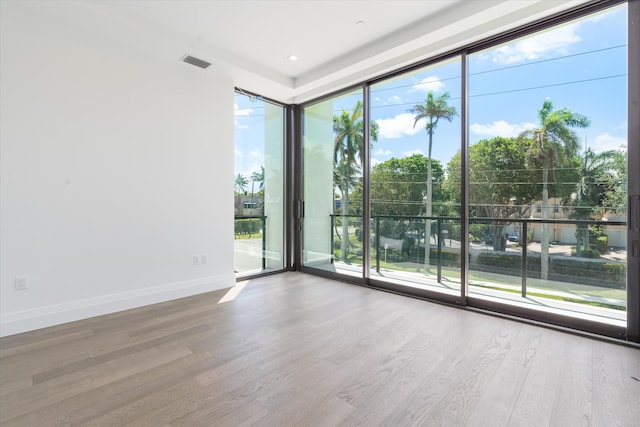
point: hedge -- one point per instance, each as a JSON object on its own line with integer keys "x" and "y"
{"x": 508, "y": 261}
{"x": 605, "y": 274}
{"x": 248, "y": 226}
{"x": 447, "y": 257}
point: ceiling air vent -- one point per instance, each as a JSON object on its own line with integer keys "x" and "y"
{"x": 195, "y": 61}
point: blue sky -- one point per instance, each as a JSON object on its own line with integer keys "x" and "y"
{"x": 580, "y": 66}
{"x": 249, "y": 135}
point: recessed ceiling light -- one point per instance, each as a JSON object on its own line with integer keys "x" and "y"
{"x": 292, "y": 58}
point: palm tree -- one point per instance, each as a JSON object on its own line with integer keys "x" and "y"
{"x": 259, "y": 178}
{"x": 553, "y": 141}
{"x": 348, "y": 129}
{"x": 240, "y": 184}
{"x": 615, "y": 198}
{"x": 434, "y": 109}
{"x": 343, "y": 182}
{"x": 597, "y": 176}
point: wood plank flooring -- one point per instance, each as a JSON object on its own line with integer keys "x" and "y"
{"x": 298, "y": 350}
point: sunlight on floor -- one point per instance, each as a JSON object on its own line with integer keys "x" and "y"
{"x": 233, "y": 292}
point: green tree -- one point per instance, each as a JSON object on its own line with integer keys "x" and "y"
{"x": 433, "y": 109}
{"x": 598, "y": 173}
{"x": 553, "y": 142}
{"x": 258, "y": 177}
{"x": 348, "y": 129}
{"x": 500, "y": 184}
{"x": 598, "y": 178}
{"x": 240, "y": 184}
{"x": 615, "y": 199}
{"x": 398, "y": 185}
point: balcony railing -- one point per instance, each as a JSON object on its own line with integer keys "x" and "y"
{"x": 413, "y": 230}
{"x": 253, "y": 225}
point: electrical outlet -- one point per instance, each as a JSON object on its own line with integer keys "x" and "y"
{"x": 20, "y": 283}
{"x": 196, "y": 260}
{"x": 204, "y": 258}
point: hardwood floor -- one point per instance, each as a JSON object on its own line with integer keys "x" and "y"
{"x": 294, "y": 349}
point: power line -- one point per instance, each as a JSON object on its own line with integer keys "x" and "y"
{"x": 373, "y": 92}
{"x": 572, "y": 82}
{"x": 549, "y": 60}
{"x": 376, "y": 91}
{"x": 480, "y": 171}
{"x": 551, "y": 85}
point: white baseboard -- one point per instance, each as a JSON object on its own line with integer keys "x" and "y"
{"x": 42, "y": 317}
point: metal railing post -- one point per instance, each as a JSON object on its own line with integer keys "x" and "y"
{"x": 439, "y": 253}
{"x": 377, "y": 244}
{"x": 332, "y": 224}
{"x": 420, "y": 227}
{"x": 523, "y": 242}
{"x": 264, "y": 242}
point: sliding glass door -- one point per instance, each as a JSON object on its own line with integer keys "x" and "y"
{"x": 547, "y": 169}
{"x": 496, "y": 177}
{"x": 258, "y": 185}
{"x": 415, "y": 178}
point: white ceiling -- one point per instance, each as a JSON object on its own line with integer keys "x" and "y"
{"x": 250, "y": 40}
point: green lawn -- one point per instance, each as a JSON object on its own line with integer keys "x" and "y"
{"x": 493, "y": 282}
{"x": 248, "y": 236}
{"x": 554, "y": 297}
{"x": 618, "y": 294}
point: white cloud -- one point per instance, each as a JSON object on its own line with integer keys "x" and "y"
{"x": 241, "y": 112}
{"x": 412, "y": 152}
{"x": 428, "y": 83}
{"x": 375, "y": 162}
{"x": 237, "y": 152}
{"x": 249, "y": 171}
{"x": 606, "y": 141}
{"x": 539, "y": 46}
{"x": 381, "y": 152}
{"x": 255, "y": 154}
{"x": 394, "y": 99}
{"x": 621, "y": 127}
{"x": 398, "y": 126}
{"x": 501, "y": 128}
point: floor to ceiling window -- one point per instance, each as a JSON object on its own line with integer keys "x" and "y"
{"x": 333, "y": 147}
{"x": 496, "y": 176}
{"x": 547, "y": 169}
{"x": 258, "y": 185}
{"x": 415, "y": 207}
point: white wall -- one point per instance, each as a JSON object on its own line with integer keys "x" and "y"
{"x": 116, "y": 169}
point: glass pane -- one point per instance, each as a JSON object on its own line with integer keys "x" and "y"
{"x": 415, "y": 203}
{"x": 333, "y": 148}
{"x": 258, "y": 185}
{"x": 547, "y": 175}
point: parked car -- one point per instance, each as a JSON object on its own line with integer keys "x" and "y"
{"x": 513, "y": 237}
